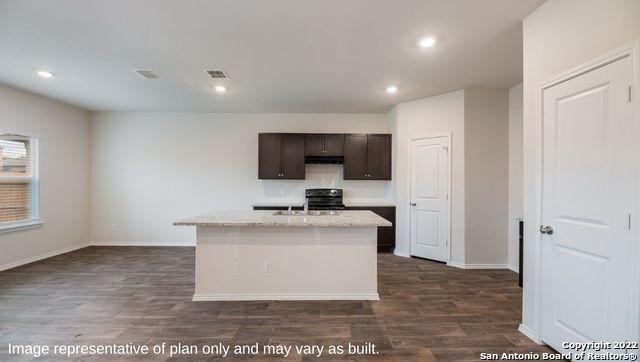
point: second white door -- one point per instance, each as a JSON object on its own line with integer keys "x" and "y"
{"x": 430, "y": 198}
{"x": 586, "y": 208}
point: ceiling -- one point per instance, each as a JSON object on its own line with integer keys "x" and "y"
{"x": 281, "y": 55}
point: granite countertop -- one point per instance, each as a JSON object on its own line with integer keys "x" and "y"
{"x": 347, "y": 203}
{"x": 267, "y": 218}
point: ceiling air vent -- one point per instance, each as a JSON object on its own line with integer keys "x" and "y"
{"x": 149, "y": 74}
{"x": 217, "y": 74}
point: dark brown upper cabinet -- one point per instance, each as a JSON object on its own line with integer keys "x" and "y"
{"x": 314, "y": 144}
{"x": 355, "y": 157}
{"x": 324, "y": 145}
{"x": 379, "y": 156}
{"x": 367, "y": 157}
{"x": 281, "y": 156}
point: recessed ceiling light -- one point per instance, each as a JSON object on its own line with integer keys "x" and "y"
{"x": 392, "y": 89}
{"x": 220, "y": 88}
{"x": 45, "y": 74}
{"x": 427, "y": 42}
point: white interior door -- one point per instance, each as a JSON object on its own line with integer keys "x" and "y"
{"x": 587, "y": 201}
{"x": 430, "y": 198}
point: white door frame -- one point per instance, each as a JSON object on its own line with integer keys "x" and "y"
{"x": 449, "y": 151}
{"x": 532, "y": 222}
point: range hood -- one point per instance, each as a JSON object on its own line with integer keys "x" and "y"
{"x": 324, "y": 160}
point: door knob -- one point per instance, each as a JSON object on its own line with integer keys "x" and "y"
{"x": 413, "y": 204}
{"x": 546, "y": 229}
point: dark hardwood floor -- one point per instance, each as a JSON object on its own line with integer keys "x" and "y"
{"x": 142, "y": 295}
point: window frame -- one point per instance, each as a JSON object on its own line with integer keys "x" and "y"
{"x": 33, "y": 176}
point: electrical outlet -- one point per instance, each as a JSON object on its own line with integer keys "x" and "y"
{"x": 267, "y": 266}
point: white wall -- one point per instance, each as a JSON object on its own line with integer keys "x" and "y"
{"x": 64, "y": 173}
{"x": 486, "y": 176}
{"x": 150, "y": 169}
{"x": 558, "y": 36}
{"x": 421, "y": 117}
{"x": 515, "y": 174}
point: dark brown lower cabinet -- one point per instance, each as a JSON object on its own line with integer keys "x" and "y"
{"x": 386, "y": 234}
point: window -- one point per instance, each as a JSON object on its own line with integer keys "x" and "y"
{"x": 19, "y": 181}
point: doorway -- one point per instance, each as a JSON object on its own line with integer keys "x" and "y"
{"x": 586, "y": 288}
{"x": 430, "y": 165}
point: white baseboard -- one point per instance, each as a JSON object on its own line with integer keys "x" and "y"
{"x": 43, "y": 256}
{"x": 529, "y": 333}
{"x": 401, "y": 253}
{"x": 248, "y": 297}
{"x": 129, "y": 243}
{"x": 513, "y": 268}
{"x": 456, "y": 264}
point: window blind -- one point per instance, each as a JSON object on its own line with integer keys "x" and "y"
{"x": 19, "y": 181}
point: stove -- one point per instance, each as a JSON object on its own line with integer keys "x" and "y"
{"x": 324, "y": 199}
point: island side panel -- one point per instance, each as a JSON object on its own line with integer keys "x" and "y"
{"x": 306, "y": 263}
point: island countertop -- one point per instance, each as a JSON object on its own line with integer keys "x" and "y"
{"x": 344, "y": 218}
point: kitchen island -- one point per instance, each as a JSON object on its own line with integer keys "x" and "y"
{"x": 267, "y": 255}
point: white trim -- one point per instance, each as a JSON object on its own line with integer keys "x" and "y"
{"x": 456, "y": 264}
{"x": 635, "y": 252}
{"x": 18, "y": 226}
{"x": 449, "y": 153}
{"x": 50, "y": 254}
{"x": 303, "y": 296}
{"x": 17, "y": 133}
{"x": 137, "y": 243}
{"x": 529, "y": 333}
{"x": 531, "y": 233}
{"x": 401, "y": 253}
{"x": 431, "y": 135}
{"x": 513, "y": 268}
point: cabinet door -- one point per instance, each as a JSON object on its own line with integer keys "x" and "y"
{"x": 314, "y": 145}
{"x": 269, "y": 156}
{"x": 386, "y": 234}
{"x": 379, "y": 156}
{"x": 334, "y": 145}
{"x": 355, "y": 157}
{"x": 293, "y": 156}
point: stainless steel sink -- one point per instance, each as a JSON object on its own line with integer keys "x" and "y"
{"x": 308, "y": 213}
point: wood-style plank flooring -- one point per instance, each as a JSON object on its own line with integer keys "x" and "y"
{"x": 142, "y": 295}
